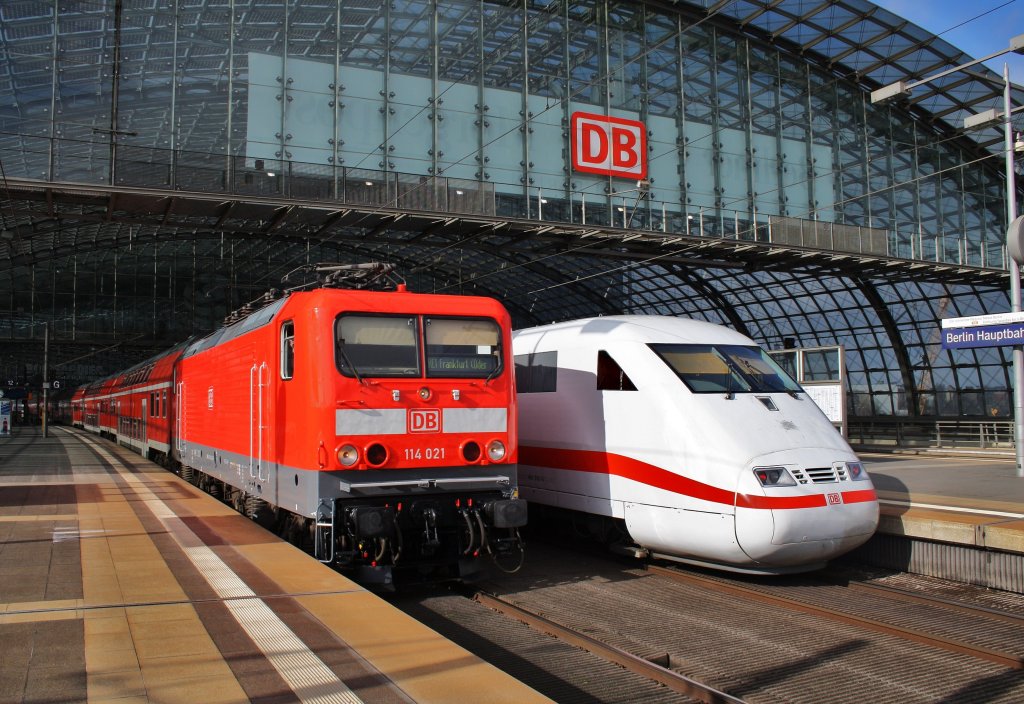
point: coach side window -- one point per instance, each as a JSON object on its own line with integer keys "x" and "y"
{"x": 288, "y": 350}
{"x": 610, "y": 376}
{"x": 537, "y": 372}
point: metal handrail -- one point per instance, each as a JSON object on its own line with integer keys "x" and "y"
{"x": 247, "y": 175}
{"x": 972, "y": 433}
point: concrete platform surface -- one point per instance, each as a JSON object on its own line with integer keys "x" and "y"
{"x": 975, "y": 500}
{"x": 119, "y": 582}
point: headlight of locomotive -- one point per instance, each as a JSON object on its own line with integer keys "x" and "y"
{"x": 774, "y": 476}
{"x": 856, "y": 472}
{"x": 348, "y": 455}
{"x": 495, "y": 450}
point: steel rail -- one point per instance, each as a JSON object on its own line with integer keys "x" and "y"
{"x": 1005, "y": 659}
{"x": 899, "y": 594}
{"x": 662, "y": 675}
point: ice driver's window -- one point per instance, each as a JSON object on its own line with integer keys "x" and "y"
{"x": 288, "y": 350}
{"x": 462, "y": 347}
{"x": 377, "y": 346}
{"x": 727, "y": 369}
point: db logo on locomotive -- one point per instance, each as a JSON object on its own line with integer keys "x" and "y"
{"x": 424, "y": 420}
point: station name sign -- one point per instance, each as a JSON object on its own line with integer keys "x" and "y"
{"x": 994, "y": 330}
{"x": 607, "y": 145}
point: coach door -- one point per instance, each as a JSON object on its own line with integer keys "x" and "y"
{"x": 179, "y": 419}
{"x": 259, "y": 422}
{"x": 143, "y": 421}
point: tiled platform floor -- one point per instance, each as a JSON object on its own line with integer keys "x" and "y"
{"x": 121, "y": 583}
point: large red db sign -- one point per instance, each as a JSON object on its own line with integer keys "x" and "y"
{"x": 609, "y": 145}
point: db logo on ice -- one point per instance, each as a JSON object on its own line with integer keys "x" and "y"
{"x": 834, "y": 499}
{"x": 424, "y": 420}
{"x": 609, "y": 145}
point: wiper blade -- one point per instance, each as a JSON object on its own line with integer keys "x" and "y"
{"x": 494, "y": 373}
{"x": 731, "y": 373}
{"x": 348, "y": 361}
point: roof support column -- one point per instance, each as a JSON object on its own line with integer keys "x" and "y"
{"x": 115, "y": 89}
{"x": 892, "y": 331}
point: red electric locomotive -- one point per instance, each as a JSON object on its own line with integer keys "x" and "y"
{"x": 380, "y": 424}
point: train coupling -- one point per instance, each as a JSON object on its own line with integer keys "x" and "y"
{"x": 506, "y": 513}
{"x": 371, "y": 521}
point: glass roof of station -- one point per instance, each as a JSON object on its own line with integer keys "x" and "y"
{"x": 857, "y": 39}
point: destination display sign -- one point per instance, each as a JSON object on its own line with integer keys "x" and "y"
{"x": 983, "y": 331}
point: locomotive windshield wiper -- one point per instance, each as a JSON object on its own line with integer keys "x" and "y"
{"x": 348, "y": 360}
{"x": 494, "y": 373}
{"x": 733, "y": 374}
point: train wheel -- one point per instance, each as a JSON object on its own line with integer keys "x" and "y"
{"x": 599, "y": 528}
{"x": 298, "y": 531}
{"x": 212, "y": 488}
{"x": 292, "y": 530}
{"x": 260, "y": 511}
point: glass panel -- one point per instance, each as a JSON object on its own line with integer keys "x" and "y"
{"x": 821, "y": 365}
{"x": 625, "y": 66}
{"x": 786, "y": 360}
{"x": 725, "y": 368}
{"x": 288, "y": 350}
{"x": 377, "y": 346}
{"x": 536, "y": 373}
{"x": 462, "y": 347}
{"x": 610, "y": 376}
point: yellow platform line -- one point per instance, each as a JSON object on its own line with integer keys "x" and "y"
{"x": 156, "y": 652}
{"x": 307, "y": 676}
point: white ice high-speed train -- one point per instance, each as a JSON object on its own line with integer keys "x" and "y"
{"x": 691, "y": 437}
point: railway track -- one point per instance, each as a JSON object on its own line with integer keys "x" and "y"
{"x": 641, "y": 666}
{"x": 830, "y": 637}
{"x": 1006, "y": 659}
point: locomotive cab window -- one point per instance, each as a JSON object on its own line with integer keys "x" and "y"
{"x": 377, "y": 346}
{"x": 725, "y": 369}
{"x": 288, "y": 350}
{"x": 462, "y": 347}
